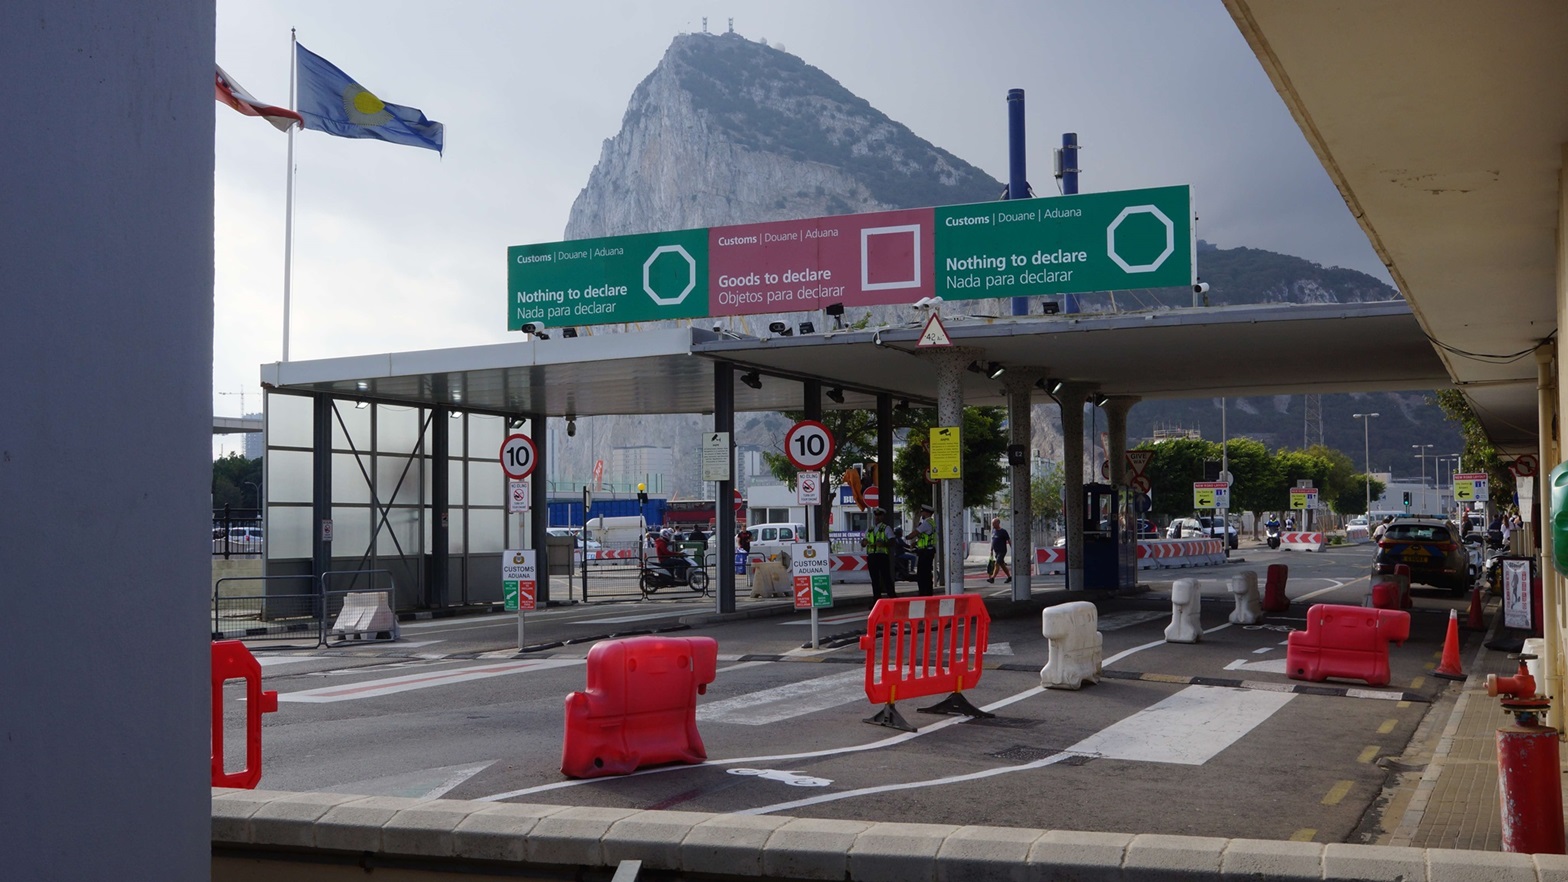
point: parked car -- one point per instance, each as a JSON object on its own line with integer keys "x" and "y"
{"x": 1183, "y": 528}
{"x": 1430, "y": 547}
{"x": 1217, "y": 528}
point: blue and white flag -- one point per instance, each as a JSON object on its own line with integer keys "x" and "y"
{"x": 331, "y": 102}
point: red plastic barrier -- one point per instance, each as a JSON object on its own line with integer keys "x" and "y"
{"x": 1345, "y": 641}
{"x": 640, "y": 706}
{"x": 924, "y": 646}
{"x": 1274, "y": 599}
{"x": 231, "y": 660}
{"x": 1402, "y": 576}
{"x": 1385, "y": 595}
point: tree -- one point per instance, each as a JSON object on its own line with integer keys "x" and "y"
{"x": 1479, "y": 454}
{"x": 1045, "y": 494}
{"x": 230, "y": 475}
{"x": 1352, "y": 498}
{"x": 1176, "y": 466}
{"x": 984, "y": 441}
{"x": 1256, "y": 474}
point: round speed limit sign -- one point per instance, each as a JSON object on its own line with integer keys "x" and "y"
{"x": 517, "y": 456}
{"x": 809, "y": 445}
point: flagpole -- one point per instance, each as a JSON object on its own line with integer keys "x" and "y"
{"x": 288, "y": 209}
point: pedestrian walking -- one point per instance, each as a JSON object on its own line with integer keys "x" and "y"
{"x": 1000, "y": 540}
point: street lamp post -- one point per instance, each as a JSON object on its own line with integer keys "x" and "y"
{"x": 1421, "y": 452}
{"x": 1366, "y": 443}
{"x": 257, "y": 488}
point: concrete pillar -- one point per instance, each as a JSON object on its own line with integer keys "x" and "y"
{"x": 1116, "y": 430}
{"x": 1070, "y": 400}
{"x": 951, "y": 364}
{"x": 1020, "y": 427}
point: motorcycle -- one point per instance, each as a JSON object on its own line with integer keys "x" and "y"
{"x": 1271, "y": 531}
{"x": 657, "y": 574}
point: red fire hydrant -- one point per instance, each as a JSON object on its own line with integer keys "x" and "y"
{"x": 1528, "y": 770}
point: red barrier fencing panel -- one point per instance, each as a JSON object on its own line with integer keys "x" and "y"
{"x": 925, "y": 646}
{"x": 1350, "y": 642}
{"x": 231, "y": 660}
{"x": 640, "y": 706}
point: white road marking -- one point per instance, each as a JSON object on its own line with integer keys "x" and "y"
{"x": 269, "y": 661}
{"x": 1262, "y": 650}
{"x": 407, "y": 682}
{"x": 784, "y": 702}
{"x": 740, "y": 666}
{"x": 421, "y": 784}
{"x": 1188, "y": 728}
{"x": 1267, "y": 666}
{"x": 1002, "y": 648}
{"x": 623, "y": 619}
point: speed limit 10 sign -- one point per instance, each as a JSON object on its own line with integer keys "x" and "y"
{"x": 809, "y": 445}
{"x": 517, "y": 456}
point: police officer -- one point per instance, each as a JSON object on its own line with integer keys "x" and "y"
{"x": 878, "y": 542}
{"x": 925, "y": 550}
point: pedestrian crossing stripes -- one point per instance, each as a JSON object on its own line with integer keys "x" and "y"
{"x": 423, "y": 680}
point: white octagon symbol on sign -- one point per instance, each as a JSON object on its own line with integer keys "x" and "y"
{"x": 691, "y": 275}
{"x": 1170, "y": 239}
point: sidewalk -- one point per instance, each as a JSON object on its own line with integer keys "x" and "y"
{"x": 1447, "y": 796}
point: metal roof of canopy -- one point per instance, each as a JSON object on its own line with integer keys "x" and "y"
{"x": 1442, "y": 122}
{"x": 1178, "y": 353}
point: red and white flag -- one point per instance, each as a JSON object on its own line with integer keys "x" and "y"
{"x": 234, "y": 95}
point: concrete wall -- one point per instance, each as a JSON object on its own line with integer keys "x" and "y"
{"x": 106, "y": 250}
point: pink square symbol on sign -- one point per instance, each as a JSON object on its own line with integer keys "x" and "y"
{"x": 890, "y": 257}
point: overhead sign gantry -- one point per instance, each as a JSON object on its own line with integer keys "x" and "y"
{"x": 1067, "y": 244}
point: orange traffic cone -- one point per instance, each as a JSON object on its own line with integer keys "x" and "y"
{"x": 1448, "y": 668}
{"x": 1475, "y": 622}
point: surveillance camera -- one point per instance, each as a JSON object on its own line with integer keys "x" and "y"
{"x": 718, "y": 327}
{"x": 1201, "y": 288}
{"x": 530, "y": 328}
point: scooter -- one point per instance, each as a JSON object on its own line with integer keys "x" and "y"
{"x": 655, "y": 575}
{"x": 1271, "y": 531}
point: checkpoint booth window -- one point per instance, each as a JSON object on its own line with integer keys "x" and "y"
{"x": 383, "y": 505}
{"x": 1109, "y": 547}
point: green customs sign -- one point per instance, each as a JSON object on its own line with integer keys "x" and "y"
{"x": 648, "y": 277}
{"x": 1068, "y": 244}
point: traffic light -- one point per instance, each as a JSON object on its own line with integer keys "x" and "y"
{"x": 1407, "y": 499}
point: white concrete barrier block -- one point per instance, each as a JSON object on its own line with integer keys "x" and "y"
{"x": 1073, "y": 645}
{"x": 365, "y": 612}
{"x": 1186, "y": 606}
{"x": 1249, "y": 606}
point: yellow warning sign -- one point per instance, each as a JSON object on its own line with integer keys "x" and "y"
{"x": 947, "y": 455}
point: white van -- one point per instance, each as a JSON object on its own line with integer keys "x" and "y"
{"x": 618, "y": 533}
{"x": 775, "y": 534}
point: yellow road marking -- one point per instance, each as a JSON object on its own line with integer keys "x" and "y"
{"x": 1305, "y": 834}
{"x": 1387, "y": 727}
{"x": 1368, "y": 754}
{"x": 1338, "y": 792}
{"x": 1416, "y": 683}
{"x": 1164, "y": 678}
{"x": 1401, "y": 704}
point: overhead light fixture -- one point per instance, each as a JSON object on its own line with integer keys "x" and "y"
{"x": 903, "y": 404}
{"x": 515, "y": 423}
{"x": 834, "y": 309}
{"x": 975, "y": 367}
{"x": 1099, "y": 399}
{"x": 995, "y": 369}
{"x": 780, "y": 329}
{"x": 568, "y": 333}
{"x": 1050, "y": 385}
{"x": 836, "y": 394}
{"x": 752, "y": 379}
{"x": 361, "y": 405}
{"x": 362, "y": 385}
{"x": 1050, "y": 307}
{"x": 571, "y": 426}
{"x": 456, "y": 414}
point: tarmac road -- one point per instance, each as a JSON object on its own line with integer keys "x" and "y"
{"x": 1196, "y": 739}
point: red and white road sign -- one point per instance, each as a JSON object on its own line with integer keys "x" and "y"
{"x": 808, "y": 489}
{"x": 740, "y": 503}
{"x": 809, "y": 445}
{"x": 517, "y": 456}
{"x": 517, "y": 497}
{"x": 871, "y": 495}
{"x": 1138, "y": 459}
{"x": 1141, "y": 483}
{"x": 1526, "y": 465}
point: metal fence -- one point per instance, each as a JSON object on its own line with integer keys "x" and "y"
{"x": 311, "y": 616}
{"x": 237, "y": 532}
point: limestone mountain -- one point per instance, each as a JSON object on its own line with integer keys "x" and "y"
{"x": 728, "y": 131}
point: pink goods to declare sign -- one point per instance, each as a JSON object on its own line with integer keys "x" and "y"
{"x": 796, "y": 266}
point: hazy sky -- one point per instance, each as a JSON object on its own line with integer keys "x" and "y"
{"x": 397, "y": 248}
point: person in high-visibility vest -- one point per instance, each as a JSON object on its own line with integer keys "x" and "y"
{"x": 878, "y": 543}
{"x": 925, "y": 550}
